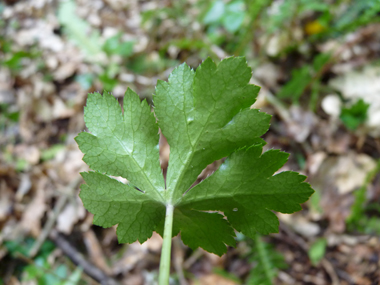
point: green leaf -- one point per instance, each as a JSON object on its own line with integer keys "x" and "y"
{"x": 14, "y": 63}
{"x": 109, "y": 82}
{"x": 234, "y": 16}
{"x": 267, "y": 263}
{"x": 77, "y": 30}
{"x": 230, "y": 15}
{"x": 205, "y": 116}
{"x": 74, "y": 278}
{"x": 113, "y": 202}
{"x": 295, "y": 87}
{"x": 317, "y": 251}
{"x": 355, "y": 115}
{"x": 245, "y": 190}
{"x": 208, "y": 229}
{"x": 114, "y": 45}
{"x": 215, "y": 12}
{"x": 320, "y": 61}
{"x": 123, "y": 145}
{"x": 85, "y": 80}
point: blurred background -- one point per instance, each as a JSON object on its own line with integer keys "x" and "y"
{"x": 318, "y": 62}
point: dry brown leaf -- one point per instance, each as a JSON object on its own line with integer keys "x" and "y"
{"x": 65, "y": 70}
{"x": 5, "y": 201}
{"x": 314, "y": 161}
{"x": 60, "y": 110}
{"x": 154, "y": 243}
{"x": 24, "y": 186}
{"x": 31, "y": 218}
{"x": 70, "y": 215}
{"x": 95, "y": 251}
{"x": 131, "y": 257}
{"x": 30, "y": 153}
{"x": 212, "y": 279}
{"x": 303, "y": 121}
{"x": 346, "y": 173}
{"x": 300, "y": 224}
{"x": 7, "y": 95}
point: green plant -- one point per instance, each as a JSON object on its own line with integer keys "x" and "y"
{"x": 39, "y": 270}
{"x": 317, "y": 251}
{"x": 355, "y": 115}
{"x": 115, "y": 45}
{"x": 357, "y": 14}
{"x": 304, "y": 77}
{"x": 266, "y": 261}
{"x": 7, "y": 114}
{"x": 92, "y": 46}
{"x": 358, "y": 219}
{"x": 230, "y": 15}
{"x": 76, "y": 29}
{"x": 205, "y": 116}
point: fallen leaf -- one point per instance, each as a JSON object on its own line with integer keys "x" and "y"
{"x": 212, "y": 279}
{"x": 95, "y": 251}
{"x": 70, "y": 215}
{"x": 31, "y": 218}
{"x": 303, "y": 121}
{"x": 5, "y": 201}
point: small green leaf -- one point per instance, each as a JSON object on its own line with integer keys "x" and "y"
{"x": 109, "y": 82}
{"x": 296, "y": 85}
{"x": 114, "y": 45}
{"x": 355, "y": 115}
{"x": 234, "y": 16}
{"x": 77, "y": 30}
{"x": 317, "y": 251}
{"x": 85, "y": 80}
{"x": 215, "y": 12}
{"x": 267, "y": 262}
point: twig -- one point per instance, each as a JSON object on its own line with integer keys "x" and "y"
{"x": 95, "y": 252}
{"x": 77, "y": 258}
{"x": 326, "y": 264}
{"x": 53, "y": 217}
{"x": 178, "y": 260}
{"x": 345, "y": 276}
{"x": 193, "y": 258}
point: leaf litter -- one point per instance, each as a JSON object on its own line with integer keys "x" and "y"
{"x": 50, "y": 112}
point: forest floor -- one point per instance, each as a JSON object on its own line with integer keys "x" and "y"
{"x": 322, "y": 88}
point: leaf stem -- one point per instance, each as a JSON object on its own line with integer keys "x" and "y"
{"x": 166, "y": 247}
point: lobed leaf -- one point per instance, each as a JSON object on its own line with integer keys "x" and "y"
{"x": 245, "y": 190}
{"x": 205, "y": 115}
{"x": 113, "y": 202}
{"x": 123, "y": 144}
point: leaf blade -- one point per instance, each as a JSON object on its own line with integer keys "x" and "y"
{"x": 113, "y": 202}
{"x": 244, "y": 187}
{"x": 218, "y": 97}
{"x": 123, "y": 144}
